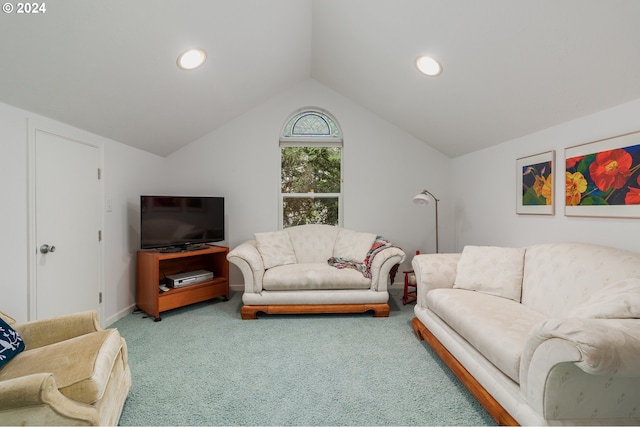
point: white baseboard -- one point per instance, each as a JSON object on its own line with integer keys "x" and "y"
{"x": 236, "y": 287}
{"x": 395, "y": 289}
{"x": 119, "y": 315}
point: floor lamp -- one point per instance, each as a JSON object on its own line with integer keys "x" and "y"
{"x": 422, "y": 199}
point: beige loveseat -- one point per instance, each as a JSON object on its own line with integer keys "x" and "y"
{"x": 543, "y": 335}
{"x": 71, "y": 372}
{"x": 315, "y": 269}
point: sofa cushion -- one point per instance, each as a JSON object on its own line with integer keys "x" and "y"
{"x": 81, "y": 365}
{"x": 10, "y": 343}
{"x": 491, "y": 270}
{"x": 275, "y": 248}
{"x": 313, "y": 242}
{"x": 496, "y": 327}
{"x": 353, "y": 245}
{"x": 619, "y": 300}
{"x": 312, "y": 276}
{"x": 559, "y": 276}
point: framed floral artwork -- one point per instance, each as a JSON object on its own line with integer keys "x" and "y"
{"x": 603, "y": 178}
{"x": 534, "y": 188}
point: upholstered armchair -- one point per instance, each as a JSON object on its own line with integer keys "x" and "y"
{"x": 62, "y": 371}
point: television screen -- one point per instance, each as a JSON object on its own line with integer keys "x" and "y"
{"x": 167, "y": 221}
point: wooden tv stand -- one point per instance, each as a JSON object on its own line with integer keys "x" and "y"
{"x": 153, "y": 266}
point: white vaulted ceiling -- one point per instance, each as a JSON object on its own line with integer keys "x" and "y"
{"x": 510, "y": 67}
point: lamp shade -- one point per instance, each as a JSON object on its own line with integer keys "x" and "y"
{"x": 421, "y": 199}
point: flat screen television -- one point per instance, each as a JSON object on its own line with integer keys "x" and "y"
{"x": 180, "y": 222}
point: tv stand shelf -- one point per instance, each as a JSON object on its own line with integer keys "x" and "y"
{"x": 154, "y": 266}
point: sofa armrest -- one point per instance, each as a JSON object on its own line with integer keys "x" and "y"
{"x": 564, "y": 360}
{"x": 39, "y": 333}
{"x": 382, "y": 264}
{"x": 434, "y": 271}
{"x": 603, "y": 346}
{"x": 35, "y": 400}
{"x": 249, "y": 261}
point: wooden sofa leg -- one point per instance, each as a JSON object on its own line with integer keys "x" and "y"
{"x": 499, "y": 414}
{"x": 379, "y": 310}
{"x": 417, "y": 326}
{"x": 250, "y": 312}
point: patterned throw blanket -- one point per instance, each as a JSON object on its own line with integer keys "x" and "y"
{"x": 363, "y": 267}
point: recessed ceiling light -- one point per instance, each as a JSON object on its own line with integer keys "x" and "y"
{"x": 429, "y": 66}
{"x": 191, "y": 59}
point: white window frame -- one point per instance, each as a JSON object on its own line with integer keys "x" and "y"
{"x": 311, "y": 141}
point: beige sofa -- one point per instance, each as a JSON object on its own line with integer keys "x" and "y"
{"x": 543, "y": 335}
{"x": 315, "y": 269}
{"x": 71, "y": 372}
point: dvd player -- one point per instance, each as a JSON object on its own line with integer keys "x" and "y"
{"x": 189, "y": 278}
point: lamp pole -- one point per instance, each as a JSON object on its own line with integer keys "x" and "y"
{"x": 427, "y": 192}
{"x": 436, "y": 199}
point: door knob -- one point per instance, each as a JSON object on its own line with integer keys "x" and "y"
{"x": 45, "y": 249}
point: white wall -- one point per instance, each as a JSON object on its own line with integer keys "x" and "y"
{"x": 127, "y": 173}
{"x": 384, "y": 167}
{"x": 484, "y": 189}
{"x": 13, "y": 212}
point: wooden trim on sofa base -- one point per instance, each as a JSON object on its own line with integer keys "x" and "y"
{"x": 250, "y": 311}
{"x": 494, "y": 409}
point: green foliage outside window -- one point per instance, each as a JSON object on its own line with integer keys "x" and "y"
{"x": 300, "y": 211}
{"x": 308, "y": 170}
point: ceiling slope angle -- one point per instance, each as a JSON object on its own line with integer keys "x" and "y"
{"x": 109, "y": 67}
{"x": 509, "y": 68}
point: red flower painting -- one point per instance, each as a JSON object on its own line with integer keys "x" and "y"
{"x": 610, "y": 177}
{"x": 573, "y": 161}
{"x": 611, "y": 169}
{"x": 633, "y": 195}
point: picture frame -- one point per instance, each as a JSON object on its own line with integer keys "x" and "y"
{"x": 603, "y": 178}
{"x": 534, "y": 184}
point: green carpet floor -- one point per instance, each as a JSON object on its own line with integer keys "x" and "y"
{"x": 203, "y": 365}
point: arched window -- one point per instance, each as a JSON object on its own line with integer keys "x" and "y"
{"x": 311, "y": 169}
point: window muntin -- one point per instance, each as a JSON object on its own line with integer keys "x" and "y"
{"x": 311, "y": 123}
{"x": 311, "y": 170}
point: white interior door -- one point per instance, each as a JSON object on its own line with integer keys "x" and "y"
{"x": 67, "y": 224}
